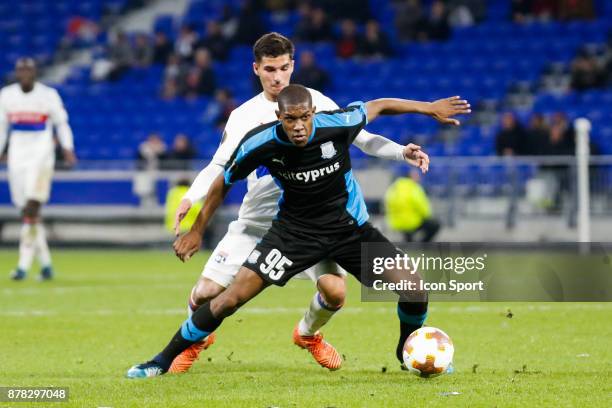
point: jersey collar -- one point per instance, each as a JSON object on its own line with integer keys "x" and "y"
{"x": 314, "y": 128}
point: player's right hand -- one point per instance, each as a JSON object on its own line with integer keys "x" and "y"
{"x": 187, "y": 244}
{"x": 443, "y": 110}
{"x": 70, "y": 157}
{"x": 181, "y": 212}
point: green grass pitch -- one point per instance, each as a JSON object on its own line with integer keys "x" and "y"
{"x": 108, "y": 310}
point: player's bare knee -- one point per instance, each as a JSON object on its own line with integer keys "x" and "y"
{"x": 332, "y": 289}
{"x": 31, "y": 210}
{"x": 205, "y": 290}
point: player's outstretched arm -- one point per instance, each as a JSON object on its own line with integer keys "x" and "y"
{"x": 442, "y": 110}
{"x": 188, "y": 244}
{"x": 383, "y": 148}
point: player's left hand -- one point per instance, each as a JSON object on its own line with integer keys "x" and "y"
{"x": 444, "y": 109}
{"x": 181, "y": 212}
{"x": 187, "y": 244}
{"x": 416, "y": 157}
{"x": 69, "y": 157}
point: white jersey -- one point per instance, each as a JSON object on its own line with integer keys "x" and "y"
{"x": 260, "y": 203}
{"x": 30, "y": 116}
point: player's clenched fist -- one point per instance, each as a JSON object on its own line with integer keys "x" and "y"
{"x": 186, "y": 245}
{"x": 416, "y": 157}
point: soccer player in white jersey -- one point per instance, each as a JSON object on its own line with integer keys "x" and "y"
{"x": 28, "y": 112}
{"x": 273, "y": 54}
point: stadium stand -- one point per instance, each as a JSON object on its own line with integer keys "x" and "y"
{"x": 36, "y": 28}
{"x": 483, "y": 62}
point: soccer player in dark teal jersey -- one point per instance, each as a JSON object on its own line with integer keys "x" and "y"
{"x": 322, "y": 213}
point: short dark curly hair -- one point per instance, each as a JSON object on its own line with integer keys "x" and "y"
{"x": 272, "y": 45}
{"x": 292, "y": 95}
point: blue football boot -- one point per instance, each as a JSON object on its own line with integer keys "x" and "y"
{"x": 46, "y": 273}
{"x": 145, "y": 370}
{"x": 18, "y": 274}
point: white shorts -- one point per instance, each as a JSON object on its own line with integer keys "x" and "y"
{"x": 30, "y": 181}
{"x": 235, "y": 247}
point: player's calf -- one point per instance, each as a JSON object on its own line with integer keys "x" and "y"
{"x": 333, "y": 290}
{"x": 33, "y": 241}
{"x": 324, "y": 304}
{"x": 246, "y": 286}
{"x": 226, "y": 304}
{"x": 318, "y": 314}
{"x": 203, "y": 291}
{"x": 27, "y": 242}
{"x": 204, "y": 321}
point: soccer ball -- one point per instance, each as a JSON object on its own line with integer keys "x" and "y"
{"x": 428, "y": 352}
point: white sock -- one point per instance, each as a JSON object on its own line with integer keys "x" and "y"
{"x": 27, "y": 246}
{"x": 42, "y": 248}
{"x": 316, "y": 316}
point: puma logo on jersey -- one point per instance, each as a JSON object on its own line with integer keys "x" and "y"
{"x": 310, "y": 175}
{"x": 281, "y": 161}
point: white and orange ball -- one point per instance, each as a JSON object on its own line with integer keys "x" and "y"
{"x": 428, "y": 352}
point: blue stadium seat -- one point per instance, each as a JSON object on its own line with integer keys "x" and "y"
{"x": 127, "y": 110}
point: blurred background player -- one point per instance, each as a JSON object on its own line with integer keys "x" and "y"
{"x": 408, "y": 210}
{"x": 29, "y": 110}
{"x": 273, "y": 54}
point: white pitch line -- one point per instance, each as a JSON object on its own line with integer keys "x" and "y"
{"x": 496, "y": 308}
{"x": 68, "y": 289}
{"x": 162, "y": 312}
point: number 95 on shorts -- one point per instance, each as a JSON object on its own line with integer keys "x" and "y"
{"x": 278, "y": 264}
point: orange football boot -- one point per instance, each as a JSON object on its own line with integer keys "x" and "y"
{"x": 183, "y": 362}
{"x": 324, "y": 353}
